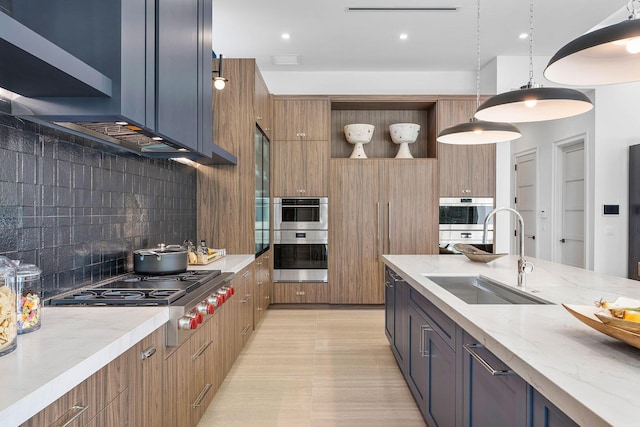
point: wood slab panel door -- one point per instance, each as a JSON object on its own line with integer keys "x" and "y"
{"x": 410, "y": 206}
{"x": 355, "y": 215}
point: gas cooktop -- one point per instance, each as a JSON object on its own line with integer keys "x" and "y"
{"x": 135, "y": 289}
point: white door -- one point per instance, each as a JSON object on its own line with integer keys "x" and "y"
{"x": 526, "y": 200}
{"x": 572, "y": 222}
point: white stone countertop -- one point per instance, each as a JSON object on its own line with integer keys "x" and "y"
{"x": 72, "y": 344}
{"x": 591, "y": 377}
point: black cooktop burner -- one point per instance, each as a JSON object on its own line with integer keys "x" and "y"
{"x": 134, "y": 289}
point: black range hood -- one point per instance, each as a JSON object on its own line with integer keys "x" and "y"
{"x": 139, "y": 79}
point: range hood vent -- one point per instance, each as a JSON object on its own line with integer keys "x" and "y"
{"x": 123, "y": 134}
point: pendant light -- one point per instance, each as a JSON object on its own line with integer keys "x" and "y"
{"x": 476, "y": 131}
{"x": 534, "y": 103}
{"x": 604, "y": 56}
{"x": 219, "y": 82}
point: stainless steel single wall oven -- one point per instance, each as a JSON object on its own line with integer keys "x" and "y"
{"x": 462, "y": 219}
{"x": 300, "y": 239}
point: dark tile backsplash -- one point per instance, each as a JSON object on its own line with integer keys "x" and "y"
{"x": 78, "y": 209}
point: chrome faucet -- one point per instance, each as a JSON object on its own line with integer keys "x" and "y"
{"x": 523, "y": 265}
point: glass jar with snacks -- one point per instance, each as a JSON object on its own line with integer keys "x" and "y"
{"x": 8, "y": 302}
{"x": 29, "y": 289}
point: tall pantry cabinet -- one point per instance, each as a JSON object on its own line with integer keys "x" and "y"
{"x": 379, "y": 205}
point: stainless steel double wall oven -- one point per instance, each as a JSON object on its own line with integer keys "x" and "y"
{"x": 300, "y": 239}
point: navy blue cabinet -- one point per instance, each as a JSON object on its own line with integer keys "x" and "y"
{"x": 431, "y": 372}
{"x": 396, "y": 316}
{"x": 543, "y": 413}
{"x": 152, "y": 66}
{"x": 493, "y": 395}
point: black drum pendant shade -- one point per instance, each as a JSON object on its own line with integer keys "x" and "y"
{"x": 605, "y": 56}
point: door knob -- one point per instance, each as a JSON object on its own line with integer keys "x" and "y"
{"x": 531, "y": 237}
{"x": 562, "y": 241}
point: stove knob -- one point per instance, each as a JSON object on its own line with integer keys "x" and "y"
{"x": 233, "y": 290}
{"x": 203, "y": 307}
{"x": 213, "y": 300}
{"x": 229, "y": 292}
{"x": 221, "y": 295}
{"x": 199, "y": 318}
{"x": 187, "y": 322}
{"x": 211, "y": 308}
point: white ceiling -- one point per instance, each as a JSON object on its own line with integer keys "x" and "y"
{"x": 328, "y": 38}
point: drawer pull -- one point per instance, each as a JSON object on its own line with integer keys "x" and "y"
{"x": 201, "y": 350}
{"x": 246, "y": 299}
{"x": 147, "y": 352}
{"x": 424, "y": 352}
{"x": 470, "y": 348}
{"x": 200, "y": 398}
{"x": 70, "y": 416}
{"x": 245, "y": 274}
{"x": 246, "y": 329}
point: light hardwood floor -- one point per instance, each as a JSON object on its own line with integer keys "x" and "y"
{"x": 315, "y": 368}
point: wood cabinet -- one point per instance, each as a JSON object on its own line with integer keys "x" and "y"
{"x": 301, "y": 118}
{"x": 465, "y": 170}
{"x": 262, "y": 105}
{"x": 226, "y": 195}
{"x": 263, "y": 287}
{"x": 377, "y": 206}
{"x": 244, "y": 284}
{"x": 92, "y": 401}
{"x": 299, "y": 168}
{"x": 300, "y": 150}
{"x": 146, "y": 380}
{"x": 188, "y": 390}
{"x": 301, "y": 293}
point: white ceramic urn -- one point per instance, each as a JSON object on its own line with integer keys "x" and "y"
{"x": 358, "y": 134}
{"x": 404, "y": 134}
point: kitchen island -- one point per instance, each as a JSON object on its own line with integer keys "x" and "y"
{"x": 592, "y": 378}
{"x": 73, "y": 344}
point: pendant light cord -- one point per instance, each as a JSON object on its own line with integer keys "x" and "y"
{"x": 478, "y": 54}
{"x": 633, "y": 6}
{"x": 531, "y": 44}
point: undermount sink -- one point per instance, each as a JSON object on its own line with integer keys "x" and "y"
{"x": 481, "y": 290}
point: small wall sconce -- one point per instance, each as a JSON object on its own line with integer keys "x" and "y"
{"x": 219, "y": 82}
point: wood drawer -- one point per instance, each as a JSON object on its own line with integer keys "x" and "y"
{"x": 300, "y": 293}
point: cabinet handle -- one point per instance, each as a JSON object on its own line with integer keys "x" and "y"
{"x": 201, "y": 350}
{"x": 424, "y": 352}
{"x": 245, "y": 274}
{"x": 245, "y": 299}
{"x": 259, "y": 308}
{"x": 267, "y": 297}
{"x": 301, "y": 134}
{"x": 267, "y": 129}
{"x": 466, "y": 191}
{"x": 495, "y": 372}
{"x": 378, "y": 226}
{"x": 147, "y": 352}
{"x": 389, "y": 226}
{"x": 259, "y": 118}
{"x": 301, "y": 293}
{"x": 246, "y": 329}
{"x": 201, "y": 396}
{"x": 70, "y": 416}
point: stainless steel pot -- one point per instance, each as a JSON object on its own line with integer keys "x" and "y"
{"x": 165, "y": 259}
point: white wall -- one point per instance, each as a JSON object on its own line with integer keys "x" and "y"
{"x": 617, "y": 128}
{"x": 370, "y": 83}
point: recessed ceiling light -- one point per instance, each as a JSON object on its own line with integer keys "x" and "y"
{"x": 286, "y": 36}
{"x": 523, "y": 36}
{"x": 404, "y": 36}
{"x": 156, "y": 138}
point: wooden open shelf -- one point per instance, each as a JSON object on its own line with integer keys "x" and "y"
{"x": 381, "y": 112}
